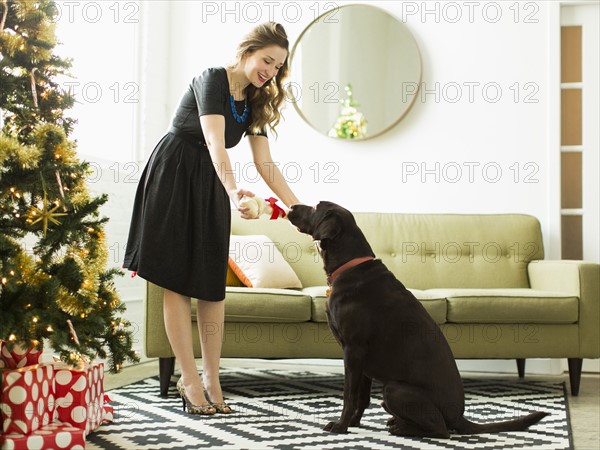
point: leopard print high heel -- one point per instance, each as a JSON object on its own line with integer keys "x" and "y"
{"x": 205, "y": 409}
{"x": 221, "y": 408}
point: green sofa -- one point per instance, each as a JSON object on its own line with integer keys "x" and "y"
{"x": 483, "y": 278}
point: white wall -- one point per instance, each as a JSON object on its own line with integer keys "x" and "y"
{"x": 118, "y": 181}
{"x": 439, "y": 134}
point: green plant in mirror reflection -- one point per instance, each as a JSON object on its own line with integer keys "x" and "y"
{"x": 351, "y": 123}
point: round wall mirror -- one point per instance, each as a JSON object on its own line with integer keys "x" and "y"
{"x": 355, "y": 72}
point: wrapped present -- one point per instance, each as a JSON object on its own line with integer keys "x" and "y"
{"x": 108, "y": 412}
{"x": 20, "y": 355}
{"x": 27, "y": 398}
{"x": 54, "y": 436}
{"x": 80, "y": 396}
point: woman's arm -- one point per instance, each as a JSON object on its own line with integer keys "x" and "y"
{"x": 213, "y": 128}
{"x": 269, "y": 172}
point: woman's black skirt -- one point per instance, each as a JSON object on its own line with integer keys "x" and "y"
{"x": 179, "y": 233}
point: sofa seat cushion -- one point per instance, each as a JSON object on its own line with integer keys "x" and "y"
{"x": 318, "y": 297}
{"x": 244, "y": 304}
{"x": 433, "y": 303}
{"x": 509, "y": 306}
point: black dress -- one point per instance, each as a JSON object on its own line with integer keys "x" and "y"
{"x": 181, "y": 221}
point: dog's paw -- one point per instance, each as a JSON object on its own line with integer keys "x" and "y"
{"x": 356, "y": 418}
{"x": 354, "y": 422}
{"x": 392, "y": 421}
{"x": 335, "y": 427}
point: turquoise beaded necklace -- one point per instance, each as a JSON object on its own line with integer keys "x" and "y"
{"x": 236, "y": 116}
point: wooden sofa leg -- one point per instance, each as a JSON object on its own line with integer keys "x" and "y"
{"x": 521, "y": 367}
{"x": 575, "y": 374}
{"x": 166, "y": 368}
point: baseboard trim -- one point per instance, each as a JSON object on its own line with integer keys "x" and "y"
{"x": 532, "y": 366}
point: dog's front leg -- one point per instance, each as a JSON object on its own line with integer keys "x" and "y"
{"x": 353, "y": 378}
{"x": 364, "y": 398}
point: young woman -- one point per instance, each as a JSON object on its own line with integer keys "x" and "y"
{"x": 179, "y": 234}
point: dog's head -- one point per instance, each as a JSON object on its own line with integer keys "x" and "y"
{"x": 324, "y": 221}
{"x": 340, "y": 238}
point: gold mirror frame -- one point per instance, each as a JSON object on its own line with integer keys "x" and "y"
{"x": 355, "y": 72}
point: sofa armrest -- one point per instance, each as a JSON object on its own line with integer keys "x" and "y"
{"x": 156, "y": 343}
{"x": 578, "y": 278}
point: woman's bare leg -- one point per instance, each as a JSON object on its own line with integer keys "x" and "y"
{"x": 211, "y": 317}
{"x": 177, "y": 312}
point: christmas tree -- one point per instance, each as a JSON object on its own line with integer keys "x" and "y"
{"x": 351, "y": 123}
{"x": 55, "y": 288}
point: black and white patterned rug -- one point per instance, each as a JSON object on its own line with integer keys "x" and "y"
{"x": 281, "y": 409}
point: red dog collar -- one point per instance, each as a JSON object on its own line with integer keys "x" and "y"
{"x": 349, "y": 265}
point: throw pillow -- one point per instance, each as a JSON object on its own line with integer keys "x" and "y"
{"x": 232, "y": 278}
{"x": 257, "y": 262}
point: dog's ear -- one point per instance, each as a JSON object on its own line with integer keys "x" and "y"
{"x": 328, "y": 227}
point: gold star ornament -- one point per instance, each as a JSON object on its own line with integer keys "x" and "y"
{"x": 44, "y": 214}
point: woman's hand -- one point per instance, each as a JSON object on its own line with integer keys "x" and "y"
{"x": 236, "y": 195}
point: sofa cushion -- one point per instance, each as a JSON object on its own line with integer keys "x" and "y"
{"x": 429, "y": 251}
{"x": 434, "y": 304}
{"x": 244, "y": 304}
{"x": 297, "y": 248}
{"x": 232, "y": 278}
{"x": 258, "y": 263}
{"x": 318, "y": 296}
{"x": 509, "y": 306}
{"x": 425, "y": 251}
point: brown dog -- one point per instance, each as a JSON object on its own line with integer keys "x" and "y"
{"x": 387, "y": 335}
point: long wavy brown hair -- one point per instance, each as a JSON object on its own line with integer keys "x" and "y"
{"x": 266, "y": 101}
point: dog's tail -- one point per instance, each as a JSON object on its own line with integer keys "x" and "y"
{"x": 464, "y": 426}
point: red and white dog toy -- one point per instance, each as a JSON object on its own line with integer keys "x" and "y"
{"x": 257, "y": 206}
